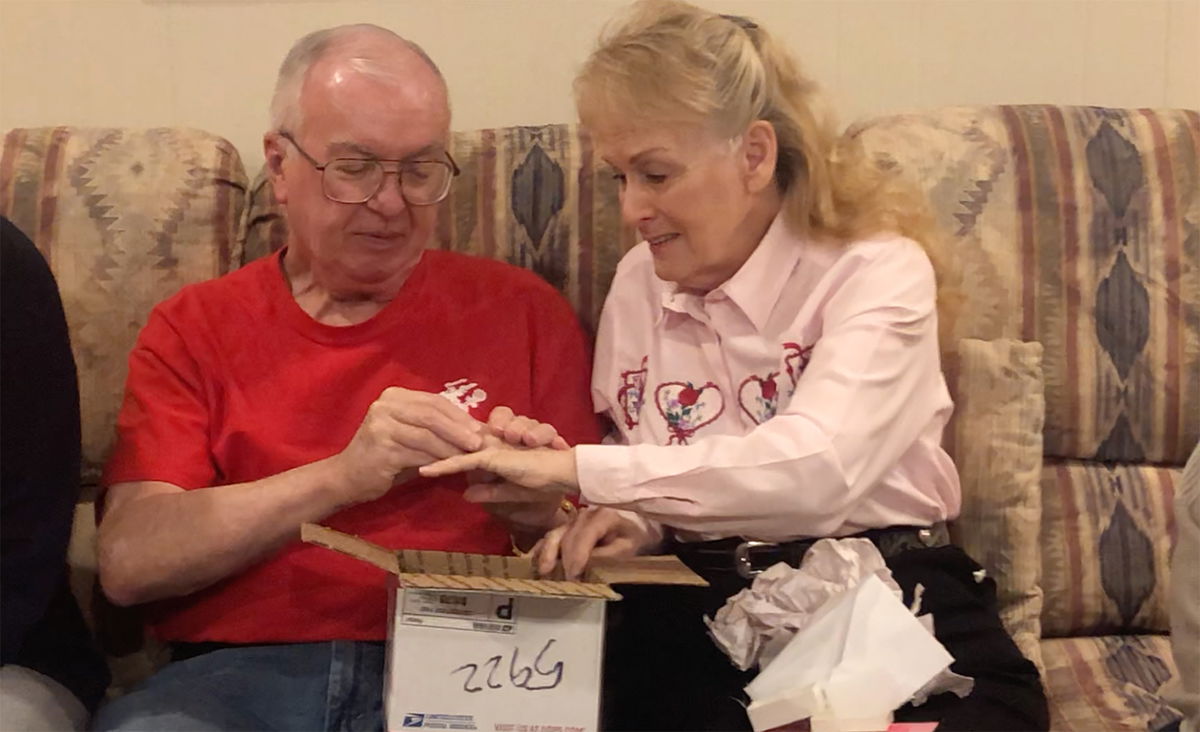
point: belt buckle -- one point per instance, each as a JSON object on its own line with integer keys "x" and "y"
{"x": 741, "y": 557}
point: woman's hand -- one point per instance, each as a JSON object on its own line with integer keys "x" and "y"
{"x": 593, "y": 532}
{"x": 541, "y": 469}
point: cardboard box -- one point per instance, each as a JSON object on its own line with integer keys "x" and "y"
{"x": 478, "y": 642}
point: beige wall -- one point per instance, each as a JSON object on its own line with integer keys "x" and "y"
{"x": 211, "y": 63}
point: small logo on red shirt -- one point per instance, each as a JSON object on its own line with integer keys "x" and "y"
{"x": 464, "y": 394}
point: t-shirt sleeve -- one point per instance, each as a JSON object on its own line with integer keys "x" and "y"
{"x": 562, "y": 371}
{"x": 163, "y": 426}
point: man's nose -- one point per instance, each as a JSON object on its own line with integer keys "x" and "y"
{"x": 389, "y": 199}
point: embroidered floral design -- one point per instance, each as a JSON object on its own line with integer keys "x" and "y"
{"x": 795, "y": 359}
{"x": 686, "y": 408}
{"x": 464, "y": 394}
{"x": 758, "y": 396}
{"x": 632, "y": 394}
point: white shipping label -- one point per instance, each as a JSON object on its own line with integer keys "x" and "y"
{"x": 494, "y": 663}
{"x": 458, "y": 610}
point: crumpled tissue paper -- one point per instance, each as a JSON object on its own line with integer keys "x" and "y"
{"x": 834, "y": 640}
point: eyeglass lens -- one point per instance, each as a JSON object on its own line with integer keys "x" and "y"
{"x": 355, "y": 181}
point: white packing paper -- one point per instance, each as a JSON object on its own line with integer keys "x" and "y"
{"x": 755, "y": 624}
{"x": 835, "y": 642}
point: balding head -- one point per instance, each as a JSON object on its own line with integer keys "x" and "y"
{"x": 331, "y": 56}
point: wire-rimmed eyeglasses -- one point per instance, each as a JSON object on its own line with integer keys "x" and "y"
{"x": 357, "y": 180}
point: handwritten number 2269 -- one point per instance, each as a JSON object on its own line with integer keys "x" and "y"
{"x": 520, "y": 676}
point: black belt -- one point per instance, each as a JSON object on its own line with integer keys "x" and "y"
{"x": 747, "y": 558}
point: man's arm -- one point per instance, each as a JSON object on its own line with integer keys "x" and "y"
{"x": 157, "y": 540}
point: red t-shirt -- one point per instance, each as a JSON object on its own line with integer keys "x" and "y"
{"x": 230, "y": 381}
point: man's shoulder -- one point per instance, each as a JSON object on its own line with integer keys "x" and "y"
{"x": 489, "y": 276}
{"x": 216, "y": 295}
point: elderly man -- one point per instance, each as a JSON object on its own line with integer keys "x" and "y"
{"x": 309, "y": 386}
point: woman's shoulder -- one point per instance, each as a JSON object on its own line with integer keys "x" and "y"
{"x": 889, "y": 254}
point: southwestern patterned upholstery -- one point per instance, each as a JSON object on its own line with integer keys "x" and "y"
{"x": 125, "y": 218}
{"x": 1079, "y": 228}
{"x": 1077, "y": 234}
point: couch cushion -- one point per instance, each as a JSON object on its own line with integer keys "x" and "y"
{"x": 1079, "y": 228}
{"x": 533, "y": 196}
{"x": 1106, "y": 544}
{"x": 997, "y": 446}
{"x": 125, "y": 218}
{"x": 1108, "y": 683}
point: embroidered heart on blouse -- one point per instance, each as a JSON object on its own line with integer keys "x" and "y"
{"x": 758, "y": 396}
{"x": 795, "y": 359}
{"x": 687, "y": 408}
{"x": 632, "y": 394}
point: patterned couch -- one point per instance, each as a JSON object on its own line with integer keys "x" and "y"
{"x": 1076, "y": 356}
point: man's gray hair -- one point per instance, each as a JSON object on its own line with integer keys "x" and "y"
{"x": 285, "y": 103}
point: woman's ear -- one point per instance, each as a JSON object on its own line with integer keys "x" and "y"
{"x": 274, "y": 154}
{"x": 760, "y": 150}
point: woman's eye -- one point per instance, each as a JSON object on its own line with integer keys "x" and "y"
{"x": 654, "y": 178}
{"x": 619, "y": 177}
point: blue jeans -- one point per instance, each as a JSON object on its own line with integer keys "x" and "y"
{"x": 336, "y": 685}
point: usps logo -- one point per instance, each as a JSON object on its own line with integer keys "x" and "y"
{"x": 413, "y": 720}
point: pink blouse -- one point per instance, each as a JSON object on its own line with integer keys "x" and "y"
{"x": 803, "y": 397}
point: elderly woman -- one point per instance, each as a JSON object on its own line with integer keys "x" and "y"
{"x": 769, "y": 357}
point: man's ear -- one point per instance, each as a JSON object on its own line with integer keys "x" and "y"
{"x": 760, "y": 149}
{"x": 274, "y": 152}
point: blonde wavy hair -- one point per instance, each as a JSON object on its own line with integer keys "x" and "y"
{"x": 670, "y": 62}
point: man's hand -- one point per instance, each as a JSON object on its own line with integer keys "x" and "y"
{"x": 593, "y": 532}
{"x": 402, "y": 430}
{"x": 522, "y": 431}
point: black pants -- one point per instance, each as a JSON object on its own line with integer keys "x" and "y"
{"x": 663, "y": 672}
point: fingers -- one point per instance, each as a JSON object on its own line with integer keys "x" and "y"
{"x": 550, "y": 471}
{"x": 433, "y": 413}
{"x": 499, "y": 419}
{"x": 545, "y": 552}
{"x": 519, "y": 430}
{"x": 419, "y": 440}
{"x": 458, "y": 464}
{"x": 588, "y": 530}
{"x": 504, "y": 493}
{"x": 618, "y": 547}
